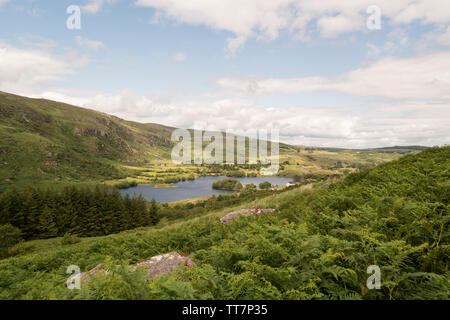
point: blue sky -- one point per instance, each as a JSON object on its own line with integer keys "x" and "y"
{"x": 313, "y": 70}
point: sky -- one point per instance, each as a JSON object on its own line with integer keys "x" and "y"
{"x": 329, "y": 73}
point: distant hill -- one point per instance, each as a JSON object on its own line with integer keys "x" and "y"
{"x": 395, "y": 149}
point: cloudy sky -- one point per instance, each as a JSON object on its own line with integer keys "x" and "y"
{"x": 321, "y": 72}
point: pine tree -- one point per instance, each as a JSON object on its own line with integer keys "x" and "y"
{"x": 47, "y": 226}
{"x": 153, "y": 213}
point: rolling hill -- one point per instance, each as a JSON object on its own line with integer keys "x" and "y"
{"x": 318, "y": 244}
{"x": 51, "y": 144}
{"x": 43, "y": 140}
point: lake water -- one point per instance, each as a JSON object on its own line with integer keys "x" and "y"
{"x": 200, "y": 187}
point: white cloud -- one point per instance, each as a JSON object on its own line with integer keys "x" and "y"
{"x": 422, "y": 77}
{"x": 396, "y": 39}
{"x": 36, "y": 41}
{"x": 386, "y": 125}
{"x": 95, "y": 6}
{"x": 179, "y": 57}
{"x": 399, "y": 36}
{"x": 3, "y": 2}
{"x": 92, "y": 44}
{"x": 267, "y": 18}
{"x": 21, "y": 70}
{"x": 373, "y": 50}
{"x": 444, "y": 38}
{"x": 333, "y": 26}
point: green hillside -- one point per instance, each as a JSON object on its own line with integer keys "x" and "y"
{"x": 51, "y": 142}
{"x": 317, "y": 245}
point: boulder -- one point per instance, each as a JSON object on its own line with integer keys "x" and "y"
{"x": 77, "y": 132}
{"x": 84, "y": 276}
{"x": 163, "y": 264}
{"x": 154, "y": 266}
{"x": 243, "y": 212}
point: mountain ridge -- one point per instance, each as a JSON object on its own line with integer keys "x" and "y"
{"x": 40, "y": 135}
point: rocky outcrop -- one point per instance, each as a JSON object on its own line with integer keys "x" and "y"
{"x": 89, "y": 132}
{"x": 84, "y": 276}
{"x": 163, "y": 264}
{"x": 154, "y": 266}
{"x": 243, "y": 212}
{"x": 77, "y": 132}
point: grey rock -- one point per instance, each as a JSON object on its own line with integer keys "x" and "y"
{"x": 243, "y": 212}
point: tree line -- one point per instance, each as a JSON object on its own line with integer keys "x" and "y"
{"x": 46, "y": 213}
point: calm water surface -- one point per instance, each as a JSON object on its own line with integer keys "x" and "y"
{"x": 200, "y": 187}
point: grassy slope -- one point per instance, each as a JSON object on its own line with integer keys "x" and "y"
{"x": 52, "y": 143}
{"x": 317, "y": 246}
{"x": 46, "y": 141}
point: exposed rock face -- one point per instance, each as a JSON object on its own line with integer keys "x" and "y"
{"x": 89, "y": 132}
{"x": 77, "y": 132}
{"x": 243, "y": 212}
{"x": 161, "y": 264}
{"x": 84, "y": 276}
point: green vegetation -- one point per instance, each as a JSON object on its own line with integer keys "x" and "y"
{"x": 265, "y": 185}
{"x": 235, "y": 173}
{"x": 187, "y": 210}
{"x": 317, "y": 245}
{"x": 249, "y": 188}
{"x": 9, "y": 237}
{"x": 154, "y": 212}
{"x": 227, "y": 184}
{"x": 21, "y": 248}
{"x": 126, "y": 184}
{"x": 54, "y": 144}
{"x": 41, "y": 214}
{"x": 69, "y": 239}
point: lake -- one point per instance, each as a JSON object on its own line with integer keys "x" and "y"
{"x": 200, "y": 187}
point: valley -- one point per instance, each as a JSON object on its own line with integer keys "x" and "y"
{"x": 224, "y": 159}
{"x": 62, "y": 168}
{"x": 318, "y": 239}
{"x": 57, "y": 145}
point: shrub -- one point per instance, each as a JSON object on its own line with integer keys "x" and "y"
{"x": 265, "y": 185}
{"x": 126, "y": 184}
{"x": 250, "y": 187}
{"x": 235, "y": 174}
{"x": 9, "y": 237}
{"x": 227, "y": 184}
{"x": 69, "y": 239}
{"x": 21, "y": 248}
{"x": 153, "y": 212}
